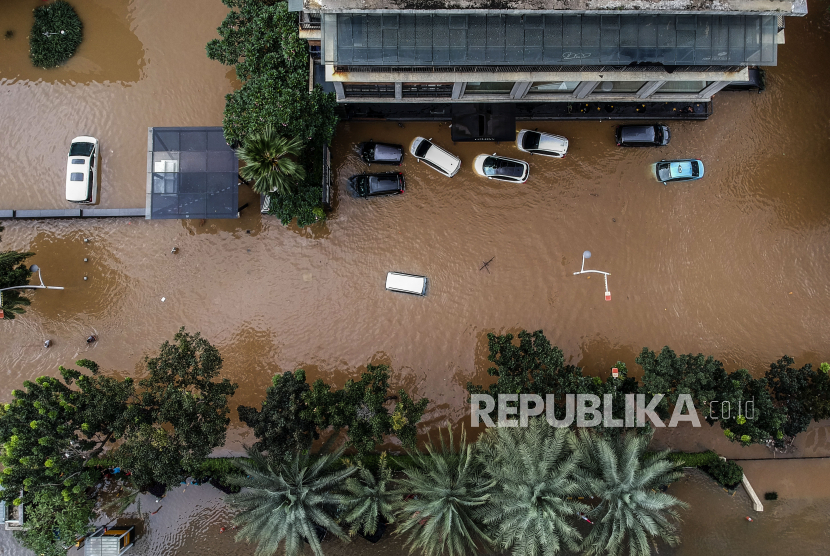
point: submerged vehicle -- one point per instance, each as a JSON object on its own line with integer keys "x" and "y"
{"x": 501, "y": 168}
{"x": 381, "y": 153}
{"x": 545, "y": 144}
{"x": 434, "y": 156}
{"x": 656, "y": 135}
{"x": 679, "y": 170}
{"x": 82, "y": 170}
{"x": 378, "y": 185}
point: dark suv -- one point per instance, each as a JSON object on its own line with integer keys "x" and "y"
{"x": 376, "y": 185}
{"x": 642, "y": 135}
{"x": 381, "y": 153}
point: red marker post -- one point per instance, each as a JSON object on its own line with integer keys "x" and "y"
{"x": 615, "y": 372}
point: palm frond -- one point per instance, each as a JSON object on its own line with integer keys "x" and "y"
{"x": 269, "y": 164}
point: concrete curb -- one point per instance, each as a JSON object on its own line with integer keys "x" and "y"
{"x": 756, "y": 502}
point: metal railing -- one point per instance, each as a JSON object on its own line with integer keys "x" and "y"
{"x": 551, "y": 69}
{"x": 309, "y": 22}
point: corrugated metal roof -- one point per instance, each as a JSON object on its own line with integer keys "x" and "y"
{"x": 430, "y": 39}
{"x": 102, "y": 546}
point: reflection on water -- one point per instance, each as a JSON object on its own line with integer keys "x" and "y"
{"x": 734, "y": 265}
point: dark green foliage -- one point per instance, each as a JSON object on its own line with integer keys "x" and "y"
{"x": 532, "y": 505}
{"x": 633, "y": 514}
{"x": 699, "y": 459}
{"x": 449, "y": 491}
{"x": 263, "y": 42}
{"x": 726, "y": 473}
{"x": 55, "y": 49}
{"x": 368, "y": 499}
{"x": 764, "y": 425}
{"x": 672, "y": 375}
{"x": 14, "y": 273}
{"x": 796, "y": 392}
{"x": 533, "y": 367}
{"x": 283, "y": 502}
{"x": 771, "y": 495}
{"x": 304, "y": 205}
{"x": 181, "y": 414}
{"x": 360, "y": 408}
{"x": 280, "y": 427}
{"x": 53, "y": 524}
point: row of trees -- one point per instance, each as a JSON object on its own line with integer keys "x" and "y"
{"x": 279, "y": 125}
{"x": 61, "y": 435}
{"x": 783, "y": 402}
{"x": 518, "y": 491}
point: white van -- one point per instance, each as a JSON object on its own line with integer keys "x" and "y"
{"x": 406, "y": 283}
{"x": 82, "y": 170}
{"x": 436, "y": 157}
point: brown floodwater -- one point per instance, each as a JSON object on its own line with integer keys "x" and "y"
{"x": 735, "y": 265}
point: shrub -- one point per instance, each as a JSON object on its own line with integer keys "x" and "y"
{"x": 699, "y": 459}
{"x": 56, "y": 34}
{"x": 771, "y": 495}
{"x": 726, "y": 473}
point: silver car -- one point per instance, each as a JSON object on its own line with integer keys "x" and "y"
{"x": 434, "y": 156}
{"x": 545, "y": 144}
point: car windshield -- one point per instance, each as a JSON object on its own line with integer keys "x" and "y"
{"x": 81, "y": 149}
{"x": 500, "y": 167}
{"x": 695, "y": 169}
{"x": 659, "y": 134}
{"x": 663, "y": 171}
{"x": 422, "y": 149}
{"x": 531, "y": 140}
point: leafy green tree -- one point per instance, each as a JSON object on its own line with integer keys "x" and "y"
{"x": 794, "y": 392}
{"x": 533, "y": 504}
{"x": 368, "y": 500}
{"x": 262, "y": 40}
{"x": 280, "y": 427}
{"x": 285, "y": 503}
{"x": 672, "y": 375}
{"x": 447, "y": 490}
{"x": 51, "y": 434}
{"x": 305, "y": 205}
{"x": 268, "y": 163}
{"x": 14, "y": 273}
{"x": 761, "y": 423}
{"x": 819, "y": 404}
{"x": 359, "y": 407}
{"x": 181, "y": 414}
{"x": 633, "y": 513}
{"x": 532, "y": 367}
{"x": 56, "y": 34}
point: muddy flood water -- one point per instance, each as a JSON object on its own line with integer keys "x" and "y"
{"x": 736, "y": 265}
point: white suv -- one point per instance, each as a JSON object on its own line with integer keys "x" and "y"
{"x": 436, "y": 157}
{"x": 82, "y": 170}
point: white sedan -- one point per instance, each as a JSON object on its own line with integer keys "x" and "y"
{"x": 81, "y": 171}
{"x": 501, "y": 168}
{"x": 546, "y": 144}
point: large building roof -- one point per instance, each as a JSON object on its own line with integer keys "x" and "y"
{"x": 409, "y": 39}
{"x": 795, "y": 7}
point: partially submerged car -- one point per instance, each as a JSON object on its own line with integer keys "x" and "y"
{"x": 81, "y": 170}
{"x": 545, "y": 144}
{"x": 655, "y": 135}
{"x": 381, "y": 153}
{"x": 406, "y": 283}
{"x": 679, "y": 170}
{"x": 434, "y": 156}
{"x": 501, "y": 168}
{"x": 378, "y": 185}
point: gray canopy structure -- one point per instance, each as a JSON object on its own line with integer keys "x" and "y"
{"x": 429, "y": 39}
{"x": 191, "y": 173}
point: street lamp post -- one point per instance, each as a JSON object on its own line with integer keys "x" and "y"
{"x": 587, "y": 255}
{"x": 42, "y": 286}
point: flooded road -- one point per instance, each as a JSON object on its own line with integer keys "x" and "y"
{"x": 735, "y": 265}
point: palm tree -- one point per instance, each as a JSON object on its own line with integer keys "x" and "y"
{"x": 633, "y": 512}
{"x": 532, "y": 510}
{"x": 287, "y": 502}
{"x": 268, "y": 164}
{"x": 445, "y": 488}
{"x": 368, "y": 501}
{"x": 13, "y": 273}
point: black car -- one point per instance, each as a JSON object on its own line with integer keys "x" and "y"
{"x": 642, "y": 135}
{"x": 376, "y": 185}
{"x": 381, "y": 153}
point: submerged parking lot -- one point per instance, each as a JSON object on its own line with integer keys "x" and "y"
{"x": 735, "y": 265}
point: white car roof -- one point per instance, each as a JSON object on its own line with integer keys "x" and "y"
{"x": 407, "y": 283}
{"x": 78, "y": 190}
{"x": 438, "y": 156}
{"x": 549, "y": 142}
